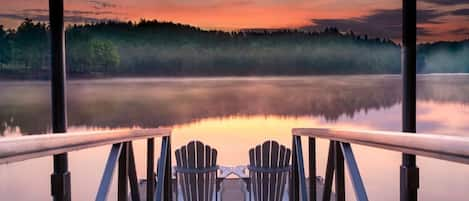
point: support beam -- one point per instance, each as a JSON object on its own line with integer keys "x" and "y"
{"x": 123, "y": 173}
{"x": 326, "y": 195}
{"x": 60, "y": 179}
{"x": 301, "y": 168}
{"x": 294, "y": 181}
{"x": 409, "y": 172}
{"x": 108, "y": 173}
{"x": 339, "y": 172}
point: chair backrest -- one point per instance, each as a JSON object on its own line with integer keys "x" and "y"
{"x": 269, "y": 171}
{"x": 196, "y": 171}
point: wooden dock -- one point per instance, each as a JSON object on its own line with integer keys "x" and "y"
{"x": 234, "y": 189}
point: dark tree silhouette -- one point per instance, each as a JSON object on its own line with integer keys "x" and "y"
{"x": 154, "y": 48}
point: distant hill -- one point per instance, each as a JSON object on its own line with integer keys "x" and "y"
{"x": 154, "y": 48}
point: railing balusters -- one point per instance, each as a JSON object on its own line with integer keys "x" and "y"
{"x": 150, "y": 169}
{"x": 312, "y": 169}
{"x": 108, "y": 172}
{"x": 326, "y": 195}
{"x": 354, "y": 172}
{"x": 134, "y": 189}
{"x": 122, "y": 184}
{"x": 301, "y": 168}
{"x": 339, "y": 172}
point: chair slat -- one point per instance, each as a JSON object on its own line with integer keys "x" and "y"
{"x": 282, "y": 178}
{"x": 208, "y": 163}
{"x": 285, "y": 175}
{"x": 273, "y": 177}
{"x": 214, "y": 174}
{"x": 200, "y": 164}
{"x": 191, "y": 154}
{"x": 258, "y": 162}
{"x": 265, "y": 164}
{"x": 179, "y": 179}
{"x": 252, "y": 174}
{"x": 185, "y": 164}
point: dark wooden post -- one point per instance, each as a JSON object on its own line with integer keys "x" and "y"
{"x": 150, "y": 169}
{"x": 60, "y": 179}
{"x": 123, "y": 174}
{"x": 168, "y": 180}
{"x": 339, "y": 172}
{"x": 312, "y": 169}
{"x": 409, "y": 172}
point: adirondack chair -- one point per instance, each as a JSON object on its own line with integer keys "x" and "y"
{"x": 197, "y": 172}
{"x": 269, "y": 171}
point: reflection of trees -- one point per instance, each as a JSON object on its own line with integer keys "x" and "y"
{"x": 146, "y": 103}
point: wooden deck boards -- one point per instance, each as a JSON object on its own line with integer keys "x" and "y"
{"x": 233, "y": 190}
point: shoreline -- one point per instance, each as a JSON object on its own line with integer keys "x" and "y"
{"x": 4, "y": 78}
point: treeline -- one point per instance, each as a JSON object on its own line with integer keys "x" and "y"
{"x": 153, "y": 48}
{"x": 444, "y": 57}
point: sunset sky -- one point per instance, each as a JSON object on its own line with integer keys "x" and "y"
{"x": 438, "y": 19}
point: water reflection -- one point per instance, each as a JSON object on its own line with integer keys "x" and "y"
{"x": 115, "y": 103}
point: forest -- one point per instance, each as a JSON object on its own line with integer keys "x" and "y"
{"x": 155, "y": 48}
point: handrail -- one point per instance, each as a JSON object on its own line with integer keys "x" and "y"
{"x": 16, "y": 149}
{"x": 450, "y": 148}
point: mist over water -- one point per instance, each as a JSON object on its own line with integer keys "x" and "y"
{"x": 148, "y": 102}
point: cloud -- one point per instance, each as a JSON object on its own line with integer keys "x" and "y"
{"x": 71, "y": 16}
{"x": 460, "y": 31}
{"x": 67, "y": 12}
{"x": 102, "y": 4}
{"x": 380, "y": 23}
{"x": 447, "y": 2}
{"x": 461, "y": 12}
{"x": 16, "y": 16}
{"x": 423, "y": 32}
{"x": 43, "y": 18}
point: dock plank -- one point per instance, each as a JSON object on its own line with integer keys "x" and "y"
{"x": 233, "y": 189}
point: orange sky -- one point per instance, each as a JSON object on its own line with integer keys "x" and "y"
{"x": 442, "y": 19}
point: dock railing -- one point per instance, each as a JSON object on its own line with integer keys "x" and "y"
{"x": 17, "y": 149}
{"x": 444, "y": 147}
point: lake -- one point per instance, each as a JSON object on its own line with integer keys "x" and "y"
{"x": 235, "y": 114}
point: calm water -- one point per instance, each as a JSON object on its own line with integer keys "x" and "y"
{"x": 235, "y": 114}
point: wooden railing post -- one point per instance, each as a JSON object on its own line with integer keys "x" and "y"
{"x": 60, "y": 179}
{"x": 122, "y": 183}
{"x": 409, "y": 172}
{"x": 339, "y": 172}
{"x": 312, "y": 169}
{"x": 150, "y": 169}
{"x": 168, "y": 195}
